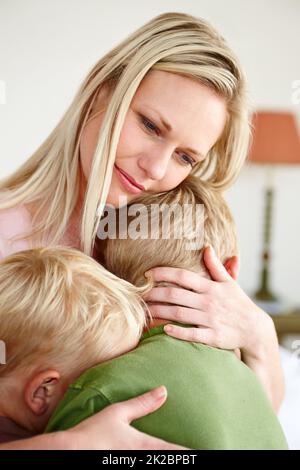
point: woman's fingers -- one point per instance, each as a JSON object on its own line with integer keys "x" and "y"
{"x": 191, "y": 280}
{"x": 214, "y": 266}
{"x": 111, "y": 429}
{"x": 183, "y": 277}
{"x": 137, "y": 408}
{"x": 143, "y": 404}
{"x": 196, "y": 335}
{"x": 174, "y": 295}
{"x": 180, "y": 314}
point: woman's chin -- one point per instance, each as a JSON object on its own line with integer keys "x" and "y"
{"x": 118, "y": 200}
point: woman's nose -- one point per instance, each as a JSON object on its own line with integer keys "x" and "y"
{"x": 155, "y": 164}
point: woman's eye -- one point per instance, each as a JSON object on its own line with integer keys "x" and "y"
{"x": 187, "y": 160}
{"x": 149, "y": 125}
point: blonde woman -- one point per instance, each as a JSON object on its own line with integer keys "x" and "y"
{"x": 168, "y": 101}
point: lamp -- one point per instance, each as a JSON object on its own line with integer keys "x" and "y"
{"x": 276, "y": 141}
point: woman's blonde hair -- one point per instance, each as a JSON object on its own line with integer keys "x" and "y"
{"x": 59, "y": 308}
{"x": 172, "y": 42}
{"x": 130, "y": 255}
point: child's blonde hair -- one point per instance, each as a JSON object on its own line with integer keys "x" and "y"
{"x": 59, "y": 308}
{"x": 130, "y": 258}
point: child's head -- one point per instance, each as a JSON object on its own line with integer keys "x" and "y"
{"x": 129, "y": 258}
{"x": 60, "y": 313}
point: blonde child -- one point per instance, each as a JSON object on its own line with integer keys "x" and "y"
{"x": 214, "y": 400}
{"x": 60, "y": 313}
{"x": 178, "y": 225}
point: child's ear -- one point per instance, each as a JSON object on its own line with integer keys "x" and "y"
{"x": 41, "y": 390}
{"x": 232, "y": 266}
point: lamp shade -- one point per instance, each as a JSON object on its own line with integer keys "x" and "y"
{"x": 276, "y": 139}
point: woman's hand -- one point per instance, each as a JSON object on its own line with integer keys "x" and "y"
{"x": 110, "y": 428}
{"x": 107, "y": 430}
{"x": 223, "y": 315}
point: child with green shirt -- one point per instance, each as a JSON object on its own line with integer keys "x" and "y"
{"x": 214, "y": 400}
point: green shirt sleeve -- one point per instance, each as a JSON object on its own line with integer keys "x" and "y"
{"x": 77, "y": 405}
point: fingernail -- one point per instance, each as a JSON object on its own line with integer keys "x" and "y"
{"x": 159, "y": 392}
{"x": 168, "y": 328}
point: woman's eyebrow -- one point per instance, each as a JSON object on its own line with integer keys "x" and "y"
{"x": 170, "y": 128}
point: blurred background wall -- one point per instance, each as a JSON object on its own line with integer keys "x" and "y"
{"x": 47, "y": 48}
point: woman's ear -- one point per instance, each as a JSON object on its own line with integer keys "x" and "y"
{"x": 232, "y": 266}
{"x": 41, "y": 390}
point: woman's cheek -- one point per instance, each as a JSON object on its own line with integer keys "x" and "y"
{"x": 131, "y": 142}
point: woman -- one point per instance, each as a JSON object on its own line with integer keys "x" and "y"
{"x": 169, "y": 101}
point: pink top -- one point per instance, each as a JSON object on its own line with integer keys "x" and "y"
{"x": 13, "y": 221}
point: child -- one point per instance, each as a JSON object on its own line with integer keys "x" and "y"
{"x": 214, "y": 400}
{"x": 60, "y": 313}
{"x": 129, "y": 258}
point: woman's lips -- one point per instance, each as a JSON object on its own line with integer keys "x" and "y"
{"x": 130, "y": 184}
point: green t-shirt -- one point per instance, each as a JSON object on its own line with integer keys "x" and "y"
{"x": 214, "y": 400}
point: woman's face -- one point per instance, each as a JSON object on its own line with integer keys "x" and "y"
{"x": 155, "y": 156}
